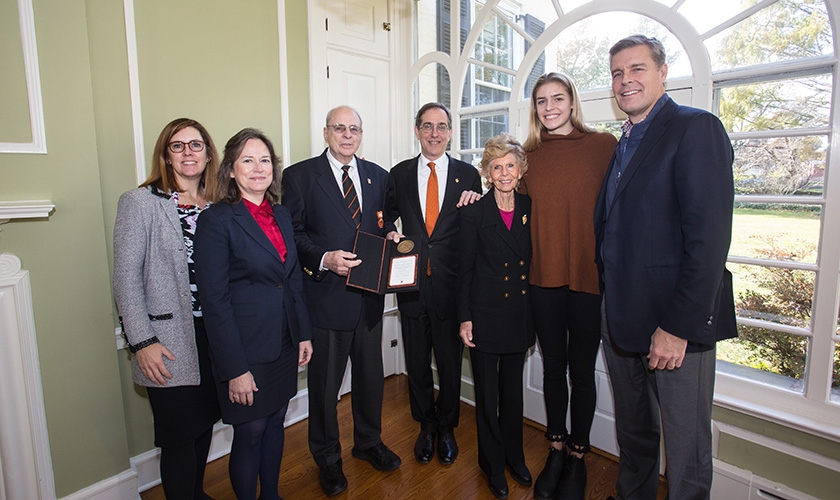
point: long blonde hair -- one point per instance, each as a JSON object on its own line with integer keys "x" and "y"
{"x": 536, "y": 127}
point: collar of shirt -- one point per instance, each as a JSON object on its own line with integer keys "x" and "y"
{"x": 642, "y": 125}
{"x": 423, "y": 172}
{"x": 353, "y": 172}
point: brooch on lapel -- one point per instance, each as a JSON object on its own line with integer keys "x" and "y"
{"x": 457, "y": 180}
{"x": 368, "y": 179}
{"x": 379, "y": 220}
{"x": 524, "y": 219}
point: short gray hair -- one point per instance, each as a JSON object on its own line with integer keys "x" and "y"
{"x": 657, "y": 50}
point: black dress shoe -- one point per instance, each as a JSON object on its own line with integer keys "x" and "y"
{"x": 547, "y": 482}
{"x": 332, "y": 479}
{"x": 573, "y": 479}
{"x": 424, "y": 447}
{"x": 379, "y": 456}
{"x": 520, "y": 474}
{"x": 447, "y": 447}
{"x": 498, "y": 486}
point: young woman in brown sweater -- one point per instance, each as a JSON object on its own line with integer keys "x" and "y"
{"x": 568, "y": 161}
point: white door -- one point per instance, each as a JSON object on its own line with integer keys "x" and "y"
{"x": 350, "y": 51}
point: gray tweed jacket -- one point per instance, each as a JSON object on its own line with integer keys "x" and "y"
{"x": 151, "y": 282}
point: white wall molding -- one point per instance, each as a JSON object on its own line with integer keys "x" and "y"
{"x": 24, "y": 443}
{"x": 134, "y": 91}
{"x": 122, "y": 486}
{"x": 38, "y": 145}
{"x": 27, "y": 209}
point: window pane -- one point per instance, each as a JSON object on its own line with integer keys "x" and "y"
{"x": 786, "y": 232}
{"x": 835, "y": 376}
{"x": 582, "y": 50}
{"x": 785, "y": 30}
{"x": 433, "y": 85}
{"x": 767, "y": 356}
{"x": 475, "y": 130}
{"x": 706, "y": 14}
{"x": 778, "y": 105}
{"x": 773, "y": 294}
{"x": 613, "y": 127}
{"x": 780, "y": 165}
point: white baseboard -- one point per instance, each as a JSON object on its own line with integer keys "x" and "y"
{"x": 123, "y": 486}
{"x": 146, "y": 466}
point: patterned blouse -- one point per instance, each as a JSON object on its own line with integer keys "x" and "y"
{"x": 188, "y": 215}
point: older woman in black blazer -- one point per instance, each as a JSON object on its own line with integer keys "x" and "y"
{"x": 252, "y": 293}
{"x": 494, "y": 309}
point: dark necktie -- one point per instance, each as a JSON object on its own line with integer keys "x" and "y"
{"x": 350, "y": 196}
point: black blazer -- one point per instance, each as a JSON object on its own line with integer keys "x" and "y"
{"x": 661, "y": 251}
{"x": 323, "y": 223}
{"x": 403, "y": 202}
{"x": 248, "y": 295}
{"x": 493, "y": 275}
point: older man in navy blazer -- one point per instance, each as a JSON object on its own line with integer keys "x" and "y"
{"x": 663, "y": 225}
{"x": 330, "y": 197}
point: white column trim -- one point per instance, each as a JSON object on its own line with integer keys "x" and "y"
{"x": 24, "y": 441}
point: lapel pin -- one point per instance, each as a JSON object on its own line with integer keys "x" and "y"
{"x": 368, "y": 179}
{"x": 457, "y": 180}
{"x": 524, "y": 219}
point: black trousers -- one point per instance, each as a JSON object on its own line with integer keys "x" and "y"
{"x": 331, "y": 350}
{"x": 498, "y": 409}
{"x": 568, "y": 325}
{"x": 422, "y": 336}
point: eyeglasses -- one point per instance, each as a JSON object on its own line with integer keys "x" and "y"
{"x": 340, "y": 129}
{"x": 179, "y": 146}
{"x": 427, "y": 127}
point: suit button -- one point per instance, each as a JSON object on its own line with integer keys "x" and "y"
{"x": 506, "y": 264}
{"x": 506, "y": 278}
{"x": 523, "y": 292}
{"x": 710, "y": 321}
{"x": 521, "y": 262}
{"x": 507, "y": 295}
{"x": 279, "y": 285}
{"x": 522, "y": 277}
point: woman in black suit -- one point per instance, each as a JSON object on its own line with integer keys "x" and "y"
{"x": 252, "y": 293}
{"x": 494, "y": 309}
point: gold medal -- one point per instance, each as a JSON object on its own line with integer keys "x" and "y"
{"x": 405, "y": 246}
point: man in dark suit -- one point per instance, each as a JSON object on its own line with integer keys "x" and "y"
{"x": 424, "y": 192}
{"x": 663, "y": 224}
{"x": 330, "y": 197}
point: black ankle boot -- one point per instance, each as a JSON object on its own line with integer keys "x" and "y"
{"x": 573, "y": 479}
{"x": 546, "y": 486}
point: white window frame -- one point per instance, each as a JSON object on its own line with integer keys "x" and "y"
{"x": 811, "y": 411}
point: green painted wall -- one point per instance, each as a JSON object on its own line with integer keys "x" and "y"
{"x": 297, "y": 47}
{"x": 67, "y": 259}
{"x": 14, "y": 127}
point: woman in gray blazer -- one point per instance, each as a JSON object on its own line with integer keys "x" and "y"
{"x": 160, "y": 310}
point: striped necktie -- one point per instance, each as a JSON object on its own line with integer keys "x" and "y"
{"x": 350, "y": 196}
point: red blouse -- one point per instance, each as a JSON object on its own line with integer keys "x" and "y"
{"x": 264, "y": 216}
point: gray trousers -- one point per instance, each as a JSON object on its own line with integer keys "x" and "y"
{"x": 682, "y": 399}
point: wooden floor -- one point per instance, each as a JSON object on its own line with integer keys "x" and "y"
{"x": 461, "y": 480}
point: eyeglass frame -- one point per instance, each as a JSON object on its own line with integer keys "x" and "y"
{"x": 441, "y": 128}
{"x": 340, "y": 128}
{"x": 185, "y": 145}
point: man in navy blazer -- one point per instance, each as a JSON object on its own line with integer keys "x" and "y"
{"x": 347, "y": 322}
{"x": 428, "y": 316}
{"x": 663, "y": 224}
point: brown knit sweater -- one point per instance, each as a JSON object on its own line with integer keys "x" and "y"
{"x": 563, "y": 180}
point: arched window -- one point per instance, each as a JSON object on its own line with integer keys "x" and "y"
{"x": 767, "y": 68}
